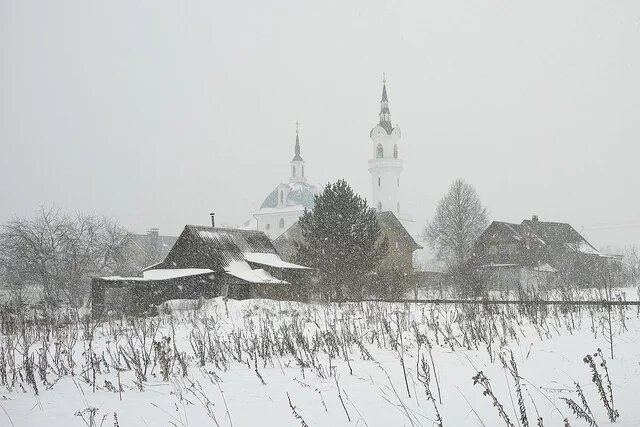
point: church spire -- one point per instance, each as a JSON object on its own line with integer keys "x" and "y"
{"x": 297, "y": 147}
{"x": 297, "y": 163}
{"x": 385, "y": 114}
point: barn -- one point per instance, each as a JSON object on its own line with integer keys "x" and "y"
{"x": 203, "y": 262}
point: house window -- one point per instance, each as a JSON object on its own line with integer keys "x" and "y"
{"x": 379, "y": 151}
{"x": 380, "y": 206}
{"x": 395, "y": 151}
{"x": 281, "y": 222}
{"x": 378, "y": 181}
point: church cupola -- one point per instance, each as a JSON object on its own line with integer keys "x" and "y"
{"x": 297, "y": 163}
{"x": 385, "y": 165}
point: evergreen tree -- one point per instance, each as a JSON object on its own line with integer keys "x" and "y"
{"x": 342, "y": 239}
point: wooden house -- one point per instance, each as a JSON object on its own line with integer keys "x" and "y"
{"x": 203, "y": 262}
{"x": 535, "y": 253}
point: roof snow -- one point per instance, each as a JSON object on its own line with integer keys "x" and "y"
{"x": 125, "y": 279}
{"x": 272, "y": 260}
{"x": 251, "y": 224}
{"x": 174, "y": 273}
{"x": 242, "y": 270}
{"x": 256, "y": 276}
{"x": 499, "y": 265}
{"x": 583, "y": 247}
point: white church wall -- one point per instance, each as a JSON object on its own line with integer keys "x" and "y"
{"x": 276, "y": 222}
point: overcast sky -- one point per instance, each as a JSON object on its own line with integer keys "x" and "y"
{"x": 157, "y": 112}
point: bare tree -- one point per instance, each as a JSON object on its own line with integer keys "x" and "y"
{"x": 57, "y": 253}
{"x": 631, "y": 265}
{"x": 458, "y": 221}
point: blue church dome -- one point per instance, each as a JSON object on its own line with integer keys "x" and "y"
{"x": 300, "y": 193}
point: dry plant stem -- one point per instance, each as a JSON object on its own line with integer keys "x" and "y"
{"x": 404, "y": 371}
{"x": 472, "y": 409}
{"x": 296, "y": 415}
{"x": 226, "y": 408}
{"x": 335, "y": 377}
{"x": 596, "y": 378}
{"x": 603, "y": 363}
{"x": 425, "y": 378}
{"x": 516, "y": 378}
{"x": 395, "y": 392}
{"x": 481, "y": 379}
{"x": 583, "y": 399}
{"x": 579, "y": 412}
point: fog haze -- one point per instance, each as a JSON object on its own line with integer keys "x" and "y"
{"x": 156, "y": 113}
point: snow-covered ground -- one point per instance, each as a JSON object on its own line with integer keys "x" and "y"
{"x": 252, "y": 362}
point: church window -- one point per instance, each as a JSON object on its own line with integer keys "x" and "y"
{"x": 398, "y": 181}
{"x": 398, "y": 207}
{"x": 293, "y": 171}
{"x": 395, "y": 151}
{"x": 303, "y": 171}
{"x": 281, "y": 222}
{"x": 378, "y": 181}
{"x": 281, "y": 197}
{"x": 267, "y": 226}
{"x": 380, "y": 206}
{"x": 379, "y": 151}
{"x": 397, "y": 245}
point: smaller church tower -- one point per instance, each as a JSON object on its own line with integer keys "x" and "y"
{"x": 297, "y": 163}
{"x": 385, "y": 167}
{"x": 289, "y": 200}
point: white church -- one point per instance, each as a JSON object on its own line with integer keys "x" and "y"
{"x": 288, "y": 201}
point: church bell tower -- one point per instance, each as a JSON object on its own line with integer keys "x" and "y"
{"x": 297, "y": 163}
{"x": 385, "y": 167}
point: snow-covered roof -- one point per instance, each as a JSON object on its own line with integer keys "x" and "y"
{"x": 499, "y": 265}
{"x": 272, "y": 260}
{"x": 258, "y": 276}
{"x": 583, "y": 247}
{"x": 242, "y": 270}
{"x": 174, "y": 273}
{"x": 124, "y": 279}
{"x": 250, "y": 224}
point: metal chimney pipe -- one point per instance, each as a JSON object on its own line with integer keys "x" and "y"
{"x": 213, "y": 219}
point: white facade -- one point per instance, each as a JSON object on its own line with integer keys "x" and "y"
{"x": 385, "y": 165}
{"x": 275, "y": 221}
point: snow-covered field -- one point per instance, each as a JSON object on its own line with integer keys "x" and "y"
{"x": 270, "y": 363}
